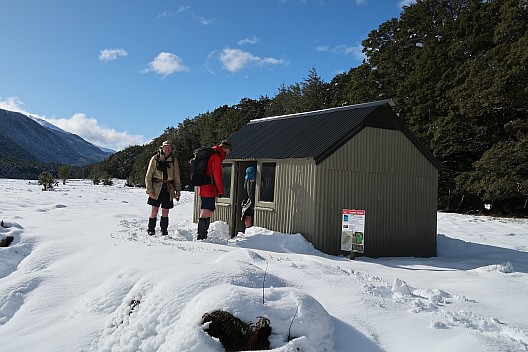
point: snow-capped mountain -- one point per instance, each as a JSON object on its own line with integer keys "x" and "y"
{"x": 31, "y": 138}
{"x": 45, "y": 123}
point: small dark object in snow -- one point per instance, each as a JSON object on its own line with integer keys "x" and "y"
{"x": 133, "y": 304}
{"x": 235, "y": 334}
{"x": 259, "y": 340}
{"x": 5, "y": 242}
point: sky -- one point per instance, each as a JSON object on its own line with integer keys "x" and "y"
{"x": 128, "y": 69}
{"x": 89, "y": 278}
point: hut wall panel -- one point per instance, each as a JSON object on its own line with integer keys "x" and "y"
{"x": 294, "y": 208}
{"x": 382, "y": 172}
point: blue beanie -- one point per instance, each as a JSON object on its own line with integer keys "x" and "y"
{"x": 251, "y": 173}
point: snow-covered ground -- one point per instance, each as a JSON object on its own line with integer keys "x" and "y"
{"x": 82, "y": 275}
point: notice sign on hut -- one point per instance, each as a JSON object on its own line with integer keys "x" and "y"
{"x": 353, "y": 231}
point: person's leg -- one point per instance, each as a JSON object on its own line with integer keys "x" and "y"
{"x": 248, "y": 221}
{"x": 154, "y": 203}
{"x": 152, "y": 221}
{"x": 203, "y": 228}
{"x": 166, "y": 205}
{"x": 206, "y": 212}
{"x": 164, "y": 224}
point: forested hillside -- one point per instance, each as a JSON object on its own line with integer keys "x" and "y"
{"x": 457, "y": 71}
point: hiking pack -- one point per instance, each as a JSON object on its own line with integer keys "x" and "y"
{"x": 198, "y": 167}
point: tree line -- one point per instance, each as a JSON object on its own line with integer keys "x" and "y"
{"x": 457, "y": 71}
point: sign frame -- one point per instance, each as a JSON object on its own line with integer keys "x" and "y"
{"x": 353, "y": 231}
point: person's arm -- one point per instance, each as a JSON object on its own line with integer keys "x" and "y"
{"x": 148, "y": 177}
{"x": 251, "y": 190}
{"x": 216, "y": 167}
{"x": 177, "y": 179}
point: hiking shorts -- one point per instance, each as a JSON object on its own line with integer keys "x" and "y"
{"x": 163, "y": 200}
{"x": 208, "y": 203}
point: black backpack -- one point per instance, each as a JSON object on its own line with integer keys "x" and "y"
{"x": 198, "y": 167}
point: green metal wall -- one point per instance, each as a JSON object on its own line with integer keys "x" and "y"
{"x": 383, "y": 173}
{"x": 293, "y": 210}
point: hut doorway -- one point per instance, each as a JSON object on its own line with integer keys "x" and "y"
{"x": 240, "y": 195}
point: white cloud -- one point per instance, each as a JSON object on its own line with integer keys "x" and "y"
{"x": 355, "y": 51}
{"x": 182, "y": 8}
{"x": 248, "y": 41}
{"x": 234, "y": 60}
{"x": 13, "y": 104}
{"x": 204, "y": 21}
{"x": 87, "y": 128}
{"x": 302, "y": 2}
{"x": 90, "y": 130}
{"x": 166, "y": 64}
{"x": 111, "y": 54}
{"x": 407, "y": 2}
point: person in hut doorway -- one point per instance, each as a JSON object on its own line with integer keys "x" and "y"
{"x": 209, "y": 192}
{"x": 249, "y": 203}
{"x": 163, "y": 186}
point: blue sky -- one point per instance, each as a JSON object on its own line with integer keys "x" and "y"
{"x": 118, "y": 72}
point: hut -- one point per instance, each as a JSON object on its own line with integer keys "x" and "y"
{"x": 313, "y": 166}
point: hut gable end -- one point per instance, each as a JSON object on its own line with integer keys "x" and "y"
{"x": 315, "y": 134}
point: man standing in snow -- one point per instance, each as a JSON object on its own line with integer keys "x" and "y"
{"x": 208, "y": 193}
{"x": 163, "y": 185}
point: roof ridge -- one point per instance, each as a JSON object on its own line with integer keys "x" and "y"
{"x": 346, "y": 107}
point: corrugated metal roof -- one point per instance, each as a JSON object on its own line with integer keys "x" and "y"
{"x": 315, "y": 134}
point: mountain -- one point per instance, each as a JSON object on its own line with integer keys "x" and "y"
{"x": 46, "y": 124}
{"x": 107, "y": 150}
{"x": 29, "y": 138}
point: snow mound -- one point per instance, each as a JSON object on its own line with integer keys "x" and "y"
{"x": 311, "y": 326}
{"x": 506, "y": 268}
{"x": 261, "y": 238}
{"x": 14, "y": 254}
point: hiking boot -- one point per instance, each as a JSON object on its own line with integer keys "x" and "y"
{"x": 164, "y": 224}
{"x": 203, "y": 226}
{"x": 151, "y": 231}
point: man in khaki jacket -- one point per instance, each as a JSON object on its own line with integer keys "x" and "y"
{"x": 163, "y": 185}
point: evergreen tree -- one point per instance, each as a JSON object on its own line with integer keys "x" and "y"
{"x": 288, "y": 100}
{"x": 315, "y": 92}
{"x": 359, "y": 85}
{"x": 119, "y": 164}
{"x": 46, "y": 180}
{"x": 383, "y": 53}
{"x": 64, "y": 173}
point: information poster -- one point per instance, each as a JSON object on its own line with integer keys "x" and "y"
{"x": 353, "y": 230}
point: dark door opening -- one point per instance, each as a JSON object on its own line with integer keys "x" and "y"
{"x": 240, "y": 195}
